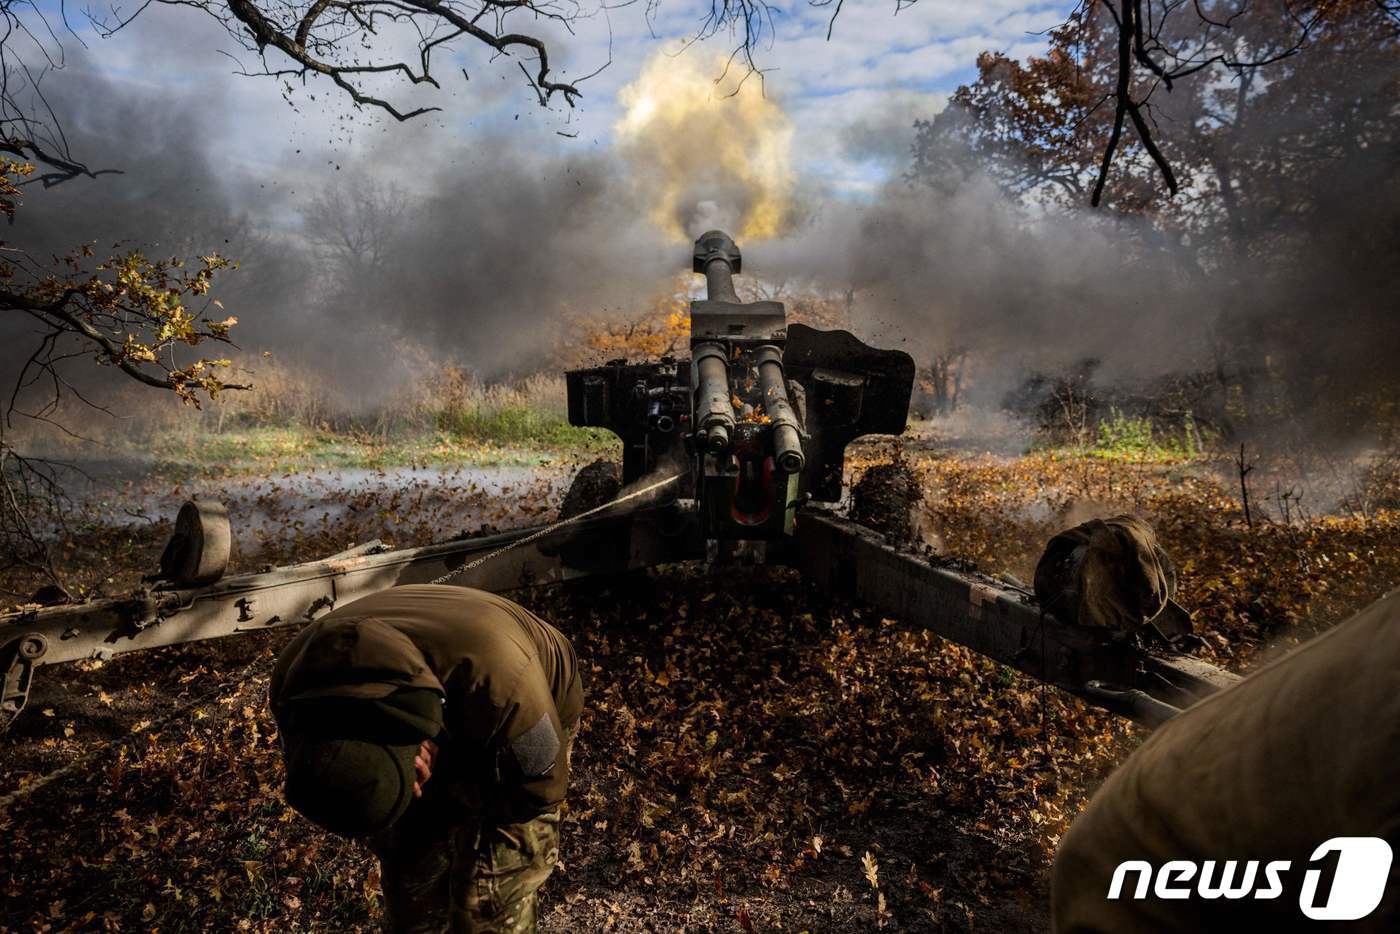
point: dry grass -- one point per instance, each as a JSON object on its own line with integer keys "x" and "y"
{"x": 299, "y": 418}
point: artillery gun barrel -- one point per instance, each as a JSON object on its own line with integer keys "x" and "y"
{"x": 717, "y": 256}
{"x": 787, "y": 442}
{"x": 719, "y": 280}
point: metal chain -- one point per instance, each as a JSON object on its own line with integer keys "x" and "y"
{"x": 541, "y": 533}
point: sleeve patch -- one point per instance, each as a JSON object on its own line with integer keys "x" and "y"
{"x": 535, "y": 749}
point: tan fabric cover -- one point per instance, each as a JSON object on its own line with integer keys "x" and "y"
{"x": 1105, "y": 572}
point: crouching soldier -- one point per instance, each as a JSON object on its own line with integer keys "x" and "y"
{"x": 436, "y": 723}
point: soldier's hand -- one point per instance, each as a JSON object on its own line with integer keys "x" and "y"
{"x": 423, "y": 765}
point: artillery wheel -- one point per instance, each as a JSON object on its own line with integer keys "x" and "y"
{"x": 594, "y": 485}
{"x": 198, "y": 552}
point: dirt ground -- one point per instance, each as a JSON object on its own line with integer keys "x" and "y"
{"x": 753, "y": 758}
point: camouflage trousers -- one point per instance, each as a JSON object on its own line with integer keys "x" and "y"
{"x": 466, "y": 879}
{"x": 441, "y": 875}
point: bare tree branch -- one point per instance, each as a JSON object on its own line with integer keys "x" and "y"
{"x": 1158, "y": 44}
{"x": 1146, "y": 38}
{"x": 30, "y": 131}
{"x": 331, "y": 38}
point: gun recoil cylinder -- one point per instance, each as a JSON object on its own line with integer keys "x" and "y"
{"x": 787, "y": 441}
{"x": 714, "y": 413}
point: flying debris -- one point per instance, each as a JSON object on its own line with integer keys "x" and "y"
{"x": 739, "y": 448}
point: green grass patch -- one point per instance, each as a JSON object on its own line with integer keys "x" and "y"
{"x": 242, "y": 451}
{"x": 1138, "y": 438}
{"x": 517, "y": 424}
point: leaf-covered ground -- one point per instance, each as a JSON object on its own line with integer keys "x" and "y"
{"x": 754, "y": 757}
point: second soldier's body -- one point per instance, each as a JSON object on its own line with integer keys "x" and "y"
{"x": 436, "y": 722}
{"x": 1250, "y": 793}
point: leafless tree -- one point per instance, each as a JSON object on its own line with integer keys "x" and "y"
{"x": 30, "y": 131}
{"x": 1244, "y": 467}
{"x": 355, "y": 44}
{"x": 949, "y": 367}
{"x": 353, "y": 222}
{"x": 750, "y": 24}
{"x": 344, "y": 40}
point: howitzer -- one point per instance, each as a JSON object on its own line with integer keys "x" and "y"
{"x": 745, "y": 440}
{"x": 761, "y": 413}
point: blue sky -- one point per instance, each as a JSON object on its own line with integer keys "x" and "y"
{"x": 852, "y": 99}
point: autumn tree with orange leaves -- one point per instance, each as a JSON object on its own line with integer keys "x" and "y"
{"x": 126, "y": 312}
{"x": 662, "y": 329}
{"x": 1278, "y": 125}
{"x": 1299, "y": 86}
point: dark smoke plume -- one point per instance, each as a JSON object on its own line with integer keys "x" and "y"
{"x": 481, "y": 251}
{"x": 1289, "y": 305}
{"x": 476, "y": 252}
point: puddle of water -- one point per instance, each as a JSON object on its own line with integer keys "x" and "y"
{"x": 453, "y": 498}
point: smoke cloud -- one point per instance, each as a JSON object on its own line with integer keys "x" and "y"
{"x": 472, "y": 253}
{"x": 476, "y": 251}
{"x": 707, "y": 149}
{"x": 482, "y": 251}
{"x": 1289, "y": 306}
{"x": 970, "y": 268}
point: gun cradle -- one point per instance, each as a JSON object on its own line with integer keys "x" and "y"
{"x": 759, "y": 416}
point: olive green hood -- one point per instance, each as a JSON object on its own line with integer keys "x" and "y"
{"x": 350, "y": 657}
{"x": 350, "y": 760}
{"x": 509, "y": 683}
